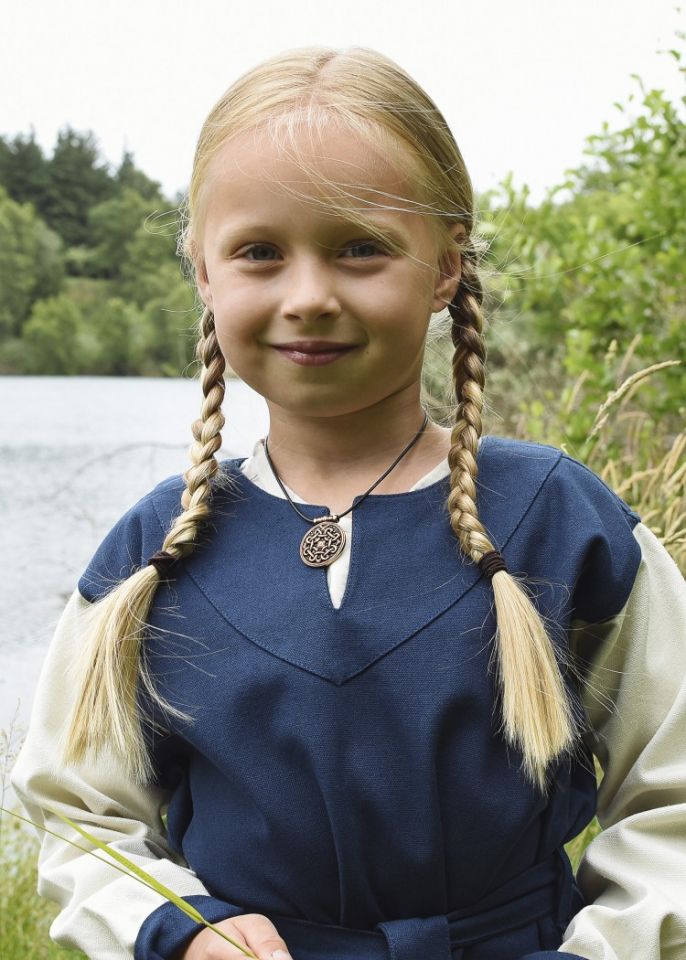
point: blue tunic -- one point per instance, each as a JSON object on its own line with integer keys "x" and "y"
{"x": 344, "y": 774}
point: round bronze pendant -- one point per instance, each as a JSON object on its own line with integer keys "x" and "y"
{"x": 322, "y": 544}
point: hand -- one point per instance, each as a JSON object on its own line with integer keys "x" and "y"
{"x": 251, "y": 930}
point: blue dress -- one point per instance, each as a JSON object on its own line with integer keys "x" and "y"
{"x": 344, "y": 773}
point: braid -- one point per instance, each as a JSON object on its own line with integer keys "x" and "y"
{"x": 195, "y": 499}
{"x": 105, "y": 710}
{"x": 469, "y": 376}
{"x": 536, "y": 713}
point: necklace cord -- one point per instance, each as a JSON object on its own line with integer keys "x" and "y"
{"x": 336, "y": 517}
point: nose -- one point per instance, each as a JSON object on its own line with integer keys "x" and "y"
{"x": 309, "y": 290}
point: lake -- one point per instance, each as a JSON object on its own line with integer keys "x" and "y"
{"x": 75, "y": 454}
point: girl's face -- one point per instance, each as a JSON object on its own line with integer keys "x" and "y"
{"x": 275, "y": 268}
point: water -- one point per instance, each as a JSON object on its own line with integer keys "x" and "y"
{"x": 75, "y": 454}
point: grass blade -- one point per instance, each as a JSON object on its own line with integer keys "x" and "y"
{"x": 130, "y": 869}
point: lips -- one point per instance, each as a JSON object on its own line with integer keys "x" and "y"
{"x": 311, "y": 357}
{"x": 314, "y": 346}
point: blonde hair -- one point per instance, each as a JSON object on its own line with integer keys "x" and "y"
{"x": 371, "y": 97}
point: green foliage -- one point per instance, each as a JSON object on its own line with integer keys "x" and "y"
{"x": 25, "y": 917}
{"x": 17, "y": 273}
{"x": 24, "y": 170}
{"x": 51, "y": 335}
{"x": 106, "y": 295}
{"x": 49, "y": 265}
{"x": 110, "y": 342}
{"x": 169, "y": 331}
{"x": 113, "y": 225}
{"x": 31, "y": 263}
{"x": 600, "y": 260}
{"x": 129, "y": 176}
{"x": 77, "y": 181}
{"x": 576, "y": 847}
{"x": 149, "y": 267}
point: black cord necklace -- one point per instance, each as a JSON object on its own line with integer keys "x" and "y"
{"x": 325, "y": 541}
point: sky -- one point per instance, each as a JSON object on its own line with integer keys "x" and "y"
{"x": 522, "y": 83}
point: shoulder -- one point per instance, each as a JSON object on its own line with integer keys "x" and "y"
{"x": 568, "y": 520}
{"x": 555, "y": 476}
{"x": 137, "y": 534}
{"x": 515, "y": 463}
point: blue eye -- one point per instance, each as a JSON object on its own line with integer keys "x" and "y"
{"x": 257, "y": 246}
{"x": 361, "y": 244}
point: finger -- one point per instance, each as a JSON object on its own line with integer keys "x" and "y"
{"x": 208, "y": 945}
{"x": 262, "y": 936}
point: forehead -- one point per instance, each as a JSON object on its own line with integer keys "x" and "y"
{"x": 329, "y": 164}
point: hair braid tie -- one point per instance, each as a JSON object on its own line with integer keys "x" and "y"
{"x": 492, "y": 562}
{"x": 163, "y": 561}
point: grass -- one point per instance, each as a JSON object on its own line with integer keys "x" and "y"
{"x": 25, "y": 917}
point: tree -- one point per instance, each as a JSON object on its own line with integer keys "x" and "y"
{"x": 150, "y": 267}
{"x": 31, "y": 263}
{"x": 111, "y": 338}
{"x": 600, "y": 262}
{"x": 24, "y": 170}
{"x": 49, "y": 263}
{"x": 128, "y": 175}
{"x": 77, "y": 181}
{"x": 51, "y": 336}
{"x": 169, "y": 332}
{"x": 112, "y": 225}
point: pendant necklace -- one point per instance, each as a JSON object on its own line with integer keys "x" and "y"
{"x": 325, "y": 541}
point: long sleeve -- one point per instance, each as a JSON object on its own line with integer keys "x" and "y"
{"x": 633, "y": 874}
{"x": 103, "y": 913}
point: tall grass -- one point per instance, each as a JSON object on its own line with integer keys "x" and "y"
{"x": 25, "y": 917}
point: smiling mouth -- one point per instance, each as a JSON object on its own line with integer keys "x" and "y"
{"x": 314, "y": 346}
{"x": 314, "y": 357}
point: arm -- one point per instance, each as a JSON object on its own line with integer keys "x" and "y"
{"x": 103, "y": 913}
{"x": 633, "y": 875}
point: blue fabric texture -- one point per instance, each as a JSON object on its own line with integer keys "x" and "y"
{"x": 343, "y": 772}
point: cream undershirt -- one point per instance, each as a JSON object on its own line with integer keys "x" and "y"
{"x": 257, "y": 469}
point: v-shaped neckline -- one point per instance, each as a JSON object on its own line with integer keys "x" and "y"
{"x": 407, "y": 569}
{"x": 406, "y": 566}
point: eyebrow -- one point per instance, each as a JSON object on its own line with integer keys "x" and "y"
{"x": 338, "y": 225}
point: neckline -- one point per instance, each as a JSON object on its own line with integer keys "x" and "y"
{"x": 379, "y": 497}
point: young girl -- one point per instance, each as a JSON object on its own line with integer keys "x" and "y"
{"x": 366, "y": 669}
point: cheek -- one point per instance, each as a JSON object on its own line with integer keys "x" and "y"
{"x": 238, "y": 314}
{"x": 403, "y": 312}
{"x": 409, "y": 294}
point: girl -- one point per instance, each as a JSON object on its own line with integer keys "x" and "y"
{"x": 371, "y": 736}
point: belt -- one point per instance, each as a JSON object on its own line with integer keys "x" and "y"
{"x": 545, "y": 889}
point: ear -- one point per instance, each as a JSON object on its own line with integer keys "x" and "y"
{"x": 203, "y": 282}
{"x": 450, "y": 271}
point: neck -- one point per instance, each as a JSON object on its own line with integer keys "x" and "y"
{"x": 349, "y": 452}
